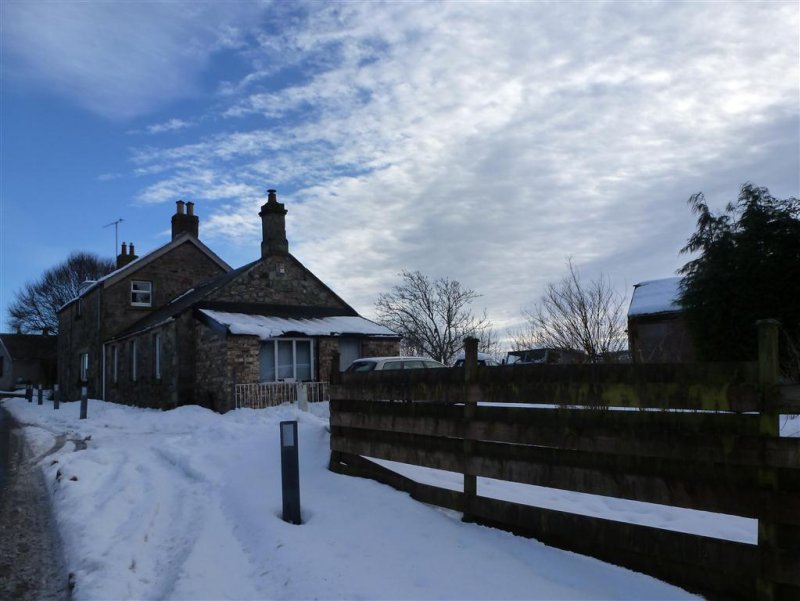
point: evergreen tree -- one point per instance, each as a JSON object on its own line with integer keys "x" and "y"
{"x": 748, "y": 268}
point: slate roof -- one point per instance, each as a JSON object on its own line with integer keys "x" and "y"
{"x": 30, "y": 347}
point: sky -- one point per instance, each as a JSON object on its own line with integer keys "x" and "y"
{"x": 483, "y": 142}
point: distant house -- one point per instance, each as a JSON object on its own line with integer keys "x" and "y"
{"x": 270, "y": 320}
{"x": 657, "y": 331}
{"x": 26, "y": 358}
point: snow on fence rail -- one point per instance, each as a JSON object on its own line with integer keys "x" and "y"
{"x": 269, "y": 394}
{"x": 712, "y": 444}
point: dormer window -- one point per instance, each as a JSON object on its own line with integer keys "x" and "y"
{"x": 141, "y": 293}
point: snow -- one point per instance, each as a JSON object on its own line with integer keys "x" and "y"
{"x": 270, "y": 327}
{"x": 655, "y": 296}
{"x": 186, "y": 504}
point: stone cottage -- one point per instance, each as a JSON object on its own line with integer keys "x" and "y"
{"x": 270, "y": 320}
{"x": 657, "y": 331}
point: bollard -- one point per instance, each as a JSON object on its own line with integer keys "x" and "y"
{"x": 39, "y": 395}
{"x": 290, "y": 473}
{"x": 29, "y": 392}
{"x": 84, "y": 401}
{"x": 55, "y": 396}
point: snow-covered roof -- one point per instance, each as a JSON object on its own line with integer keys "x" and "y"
{"x": 266, "y": 327}
{"x": 655, "y": 296}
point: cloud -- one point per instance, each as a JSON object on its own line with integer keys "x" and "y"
{"x": 173, "y": 124}
{"x": 119, "y": 59}
{"x": 488, "y": 143}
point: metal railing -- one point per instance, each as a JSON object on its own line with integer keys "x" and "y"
{"x": 269, "y": 394}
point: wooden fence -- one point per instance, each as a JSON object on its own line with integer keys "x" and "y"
{"x": 694, "y": 436}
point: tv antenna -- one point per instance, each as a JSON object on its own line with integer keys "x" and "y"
{"x": 116, "y": 234}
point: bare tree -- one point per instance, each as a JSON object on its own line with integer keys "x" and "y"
{"x": 35, "y": 308}
{"x": 571, "y": 314}
{"x": 433, "y": 317}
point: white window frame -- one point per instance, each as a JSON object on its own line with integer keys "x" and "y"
{"x": 134, "y": 361}
{"x": 84, "y": 367}
{"x": 157, "y": 356}
{"x": 294, "y": 341}
{"x": 142, "y": 287}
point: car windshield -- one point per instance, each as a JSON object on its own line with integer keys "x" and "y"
{"x": 362, "y": 366}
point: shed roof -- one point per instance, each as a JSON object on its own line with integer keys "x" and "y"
{"x": 655, "y": 296}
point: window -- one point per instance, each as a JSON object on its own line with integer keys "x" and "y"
{"x": 133, "y": 361}
{"x": 286, "y": 359}
{"x": 141, "y": 293}
{"x": 84, "y": 367}
{"x": 390, "y": 365}
{"x": 157, "y": 356}
{"x": 114, "y": 364}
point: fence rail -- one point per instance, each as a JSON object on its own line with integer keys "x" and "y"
{"x": 269, "y": 394}
{"x": 698, "y": 436}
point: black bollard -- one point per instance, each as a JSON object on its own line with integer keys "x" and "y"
{"x": 29, "y": 392}
{"x": 39, "y": 395}
{"x": 290, "y": 473}
{"x": 55, "y": 396}
{"x": 84, "y": 401}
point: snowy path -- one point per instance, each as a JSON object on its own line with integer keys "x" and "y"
{"x": 186, "y": 505}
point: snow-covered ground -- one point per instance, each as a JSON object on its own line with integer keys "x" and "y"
{"x": 186, "y": 504}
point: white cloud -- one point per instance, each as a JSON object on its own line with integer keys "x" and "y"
{"x": 119, "y": 59}
{"x": 489, "y": 142}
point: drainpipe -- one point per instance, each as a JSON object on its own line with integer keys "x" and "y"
{"x": 103, "y": 363}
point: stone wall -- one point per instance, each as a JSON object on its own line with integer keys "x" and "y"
{"x": 80, "y": 332}
{"x": 147, "y": 390}
{"x": 219, "y": 359}
{"x": 278, "y": 279}
{"x": 172, "y": 274}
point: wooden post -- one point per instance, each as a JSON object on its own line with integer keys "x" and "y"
{"x": 335, "y": 376}
{"x": 769, "y": 427}
{"x": 470, "y": 408}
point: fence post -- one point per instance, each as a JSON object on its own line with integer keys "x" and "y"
{"x": 39, "y": 395}
{"x": 84, "y": 401}
{"x": 335, "y": 376}
{"x": 470, "y": 407}
{"x": 29, "y": 392}
{"x": 769, "y": 427}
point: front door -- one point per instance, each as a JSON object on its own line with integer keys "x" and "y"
{"x": 349, "y": 351}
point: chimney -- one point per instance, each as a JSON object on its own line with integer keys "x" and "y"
{"x": 123, "y": 258}
{"x": 184, "y": 222}
{"x": 273, "y": 227}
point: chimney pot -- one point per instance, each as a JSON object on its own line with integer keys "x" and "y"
{"x": 124, "y": 249}
{"x": 132, "y": 254}
{"x": 185, "y": 223}
{"x": 272, "y": 196}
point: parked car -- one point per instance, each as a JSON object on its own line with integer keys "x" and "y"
{"x": 483, "y": 359}
{"x": 544, "y": 355}
{"x": 390, "y": 363}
